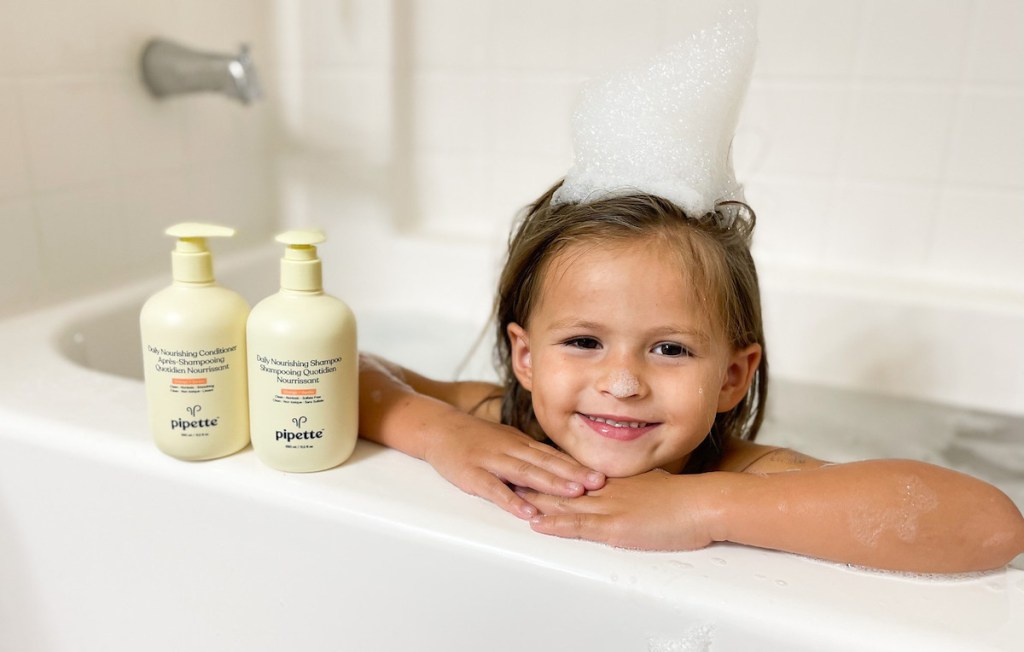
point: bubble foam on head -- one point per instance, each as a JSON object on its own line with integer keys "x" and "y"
{"x": 666, "y": 129}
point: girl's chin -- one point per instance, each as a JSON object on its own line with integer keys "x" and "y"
{"x": 616, "y": 467}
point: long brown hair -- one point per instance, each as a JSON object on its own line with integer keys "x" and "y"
{"x": 714, "y": 250}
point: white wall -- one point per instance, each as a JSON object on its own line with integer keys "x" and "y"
{"x": 879, "y": 137}
{"x": 881, "y": 144}
{"x": 892, "y": 137}
{"x": 92, "y": 169}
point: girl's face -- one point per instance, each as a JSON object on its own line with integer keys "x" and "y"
{"x": 626, "y": 367}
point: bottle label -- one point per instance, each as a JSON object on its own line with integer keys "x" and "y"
{"x": 190, "y": 371}
{"x": 189, "y": 379}
{"x": 298, "y": 380}
{"x": 303, "y": 388}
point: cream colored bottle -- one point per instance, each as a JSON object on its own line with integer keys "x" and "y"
{"x": 193, "y": 350}
{"x": 303, "y": 367}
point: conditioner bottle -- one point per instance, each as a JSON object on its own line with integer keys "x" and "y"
{"x": 303, "y": 367}
{"x": 193, "y": 348}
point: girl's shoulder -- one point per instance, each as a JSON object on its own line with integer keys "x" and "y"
{"x": 479, "y": 399}
{"x": 741, "y": 456}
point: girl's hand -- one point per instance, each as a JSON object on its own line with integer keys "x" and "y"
{"x": 483, "y": 458}
{"x": 652, "y": 511}
{"x": 433, "y": 421}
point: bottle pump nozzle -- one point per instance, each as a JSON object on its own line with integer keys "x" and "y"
{"x": 300, "y": 267}
{"x": 191, "y": 261}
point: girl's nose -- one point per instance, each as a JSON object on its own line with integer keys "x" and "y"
{"x": 621, "y": 384}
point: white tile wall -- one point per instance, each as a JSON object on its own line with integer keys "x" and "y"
{"x": 92, "y": 169}
{"x": 995, "y": 48}
{"x": 878, "y": 136}
{"x": 914, "y": 40}
{"x": 896, "y": 134}
{"x": 865, "y": 118}
{"x": 808, "y": 39}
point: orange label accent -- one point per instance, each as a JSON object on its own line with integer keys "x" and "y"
{"x": 188, "y": 381}
{"x": 298, "y": 392}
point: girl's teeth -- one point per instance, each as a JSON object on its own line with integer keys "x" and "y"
{"x": 619, "y": 424}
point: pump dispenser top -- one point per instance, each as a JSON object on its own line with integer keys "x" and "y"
{"x": 300, "y": 266}
{"x": 191, "y": 261}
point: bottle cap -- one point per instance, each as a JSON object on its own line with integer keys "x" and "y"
{"x": 300, "y": 266}
{"x": 191, "y": 261}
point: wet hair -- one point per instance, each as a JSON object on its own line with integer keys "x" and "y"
{"x": 714, "y": 255}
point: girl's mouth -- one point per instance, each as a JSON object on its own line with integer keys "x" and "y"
{"x": 621, "y": 429}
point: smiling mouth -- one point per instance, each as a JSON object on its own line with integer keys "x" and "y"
{"x": 617, "y": 424}
{"x": 620, "y": 430}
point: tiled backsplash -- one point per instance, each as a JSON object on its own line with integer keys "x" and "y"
{"x": 92, "y": 169}
{"x": 880, "y": 137}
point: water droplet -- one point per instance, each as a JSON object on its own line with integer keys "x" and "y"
{"x": 781, "y": 583}
{"x": 759, "y": 576}
{"x": 684, "y": 565}
{"x": 995, "y": 586}
{"x": 615, "y": 577}
{"x": 718, "y": 561}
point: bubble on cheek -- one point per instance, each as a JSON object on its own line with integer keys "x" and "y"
{"x": 624, "y": 384}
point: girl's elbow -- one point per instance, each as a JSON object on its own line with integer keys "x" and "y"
{"x": 1016, "y": 546}
{"x": 1006, "y": 539}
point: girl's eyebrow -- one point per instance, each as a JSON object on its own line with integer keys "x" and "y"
{"x": 571, "y": 323}
{"x": 698, "y": 334}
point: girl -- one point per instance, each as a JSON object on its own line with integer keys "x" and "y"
{"x": 634, "y": 383}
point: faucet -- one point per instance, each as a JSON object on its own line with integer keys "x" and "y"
{"x": 170, "y": 69}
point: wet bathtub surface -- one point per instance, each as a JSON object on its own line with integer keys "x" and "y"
{"x": 109, "y": 545}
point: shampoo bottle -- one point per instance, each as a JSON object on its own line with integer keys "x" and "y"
{"x": 193, "y": 349}
{"x": 303, "y": 367}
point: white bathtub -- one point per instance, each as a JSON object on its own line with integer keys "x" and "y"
{"x": 106, "y": 544}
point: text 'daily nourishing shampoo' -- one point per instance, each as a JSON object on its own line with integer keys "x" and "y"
{"x": 303, "y": 367}
{"x": 193, "y": 348}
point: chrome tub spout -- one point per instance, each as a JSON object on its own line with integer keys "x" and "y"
{"x": 172, "y": 69}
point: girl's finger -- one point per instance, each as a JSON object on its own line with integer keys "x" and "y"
{"x": 489, "y": 487}
{"x": 528, "y": 473}
{"x": 549, "y": 504}
{"x": 561, "y": 465}
{"x": 570, "y": 526}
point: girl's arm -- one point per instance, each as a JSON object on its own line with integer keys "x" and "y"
{"x": 890, "y": 514}
{"x": 887, "y": 514}
{"x": 453, "y": 426}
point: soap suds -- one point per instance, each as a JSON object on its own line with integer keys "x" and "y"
{"x": 695, "y": 639}
{"x": 869, "y": 524}
{"x": 624, "y": 384}
{"x": 667, "y": 129}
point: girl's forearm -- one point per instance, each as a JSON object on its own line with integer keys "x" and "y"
{"x": 887, "y": 514}
{"x": 393, "y": 413}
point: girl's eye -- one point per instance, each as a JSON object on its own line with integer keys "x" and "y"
{"x": 583, "y": 343}
{"x": 671, "y": 349}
